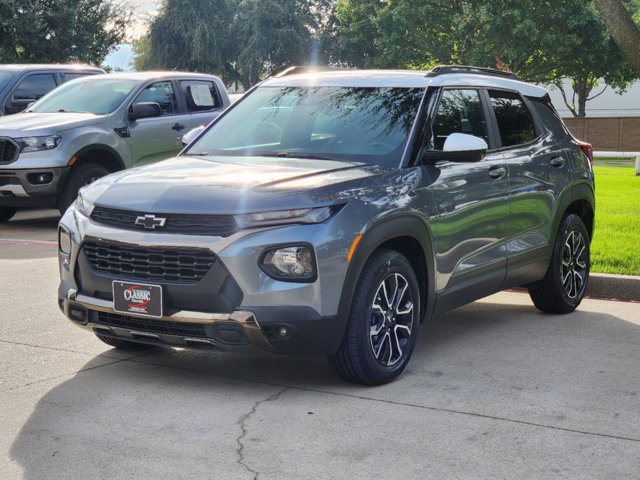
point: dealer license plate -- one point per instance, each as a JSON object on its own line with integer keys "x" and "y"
{"x": 137, "y": 298}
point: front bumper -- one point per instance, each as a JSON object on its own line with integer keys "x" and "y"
{"x": 286, "y": 330}
{"x": 24, "y": 188}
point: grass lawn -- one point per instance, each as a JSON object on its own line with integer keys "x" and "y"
{"x": 616, "y": 243}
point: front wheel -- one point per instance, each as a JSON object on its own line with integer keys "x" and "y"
{"x": 7, "y": 213}
{"x": 80, "y": 175}
{"x": 383, "y": 321}
{"x": 565, "y": 283}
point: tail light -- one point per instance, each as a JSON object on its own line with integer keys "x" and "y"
{"x": 587, "y": 148}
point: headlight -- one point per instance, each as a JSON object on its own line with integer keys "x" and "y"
{"x": 290, "y": 263}
{"x": 285, "y": 217}
{"x": 64, "y": 240}
{"x": 83, "y": 205}
{"x": 37, "y": 144}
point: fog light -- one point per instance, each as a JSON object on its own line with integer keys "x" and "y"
{"x": 295, "y": 263}
{"x": 77, "y": 313}
{"x": 40, "y": 178}
{"x": 64, "y": 241}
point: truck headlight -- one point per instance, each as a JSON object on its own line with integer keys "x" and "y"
{"x": 37, "y": 144}
{"x": 290, "y": 263}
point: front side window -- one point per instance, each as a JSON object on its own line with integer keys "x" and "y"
{"x": 359, "y": 124}
{"x": 95, "y": 95}
{"x": 200, "y": 95}
{"x": 514, "y": 120}
{"x": 34, "y": 87}
{"x": 459, "y": 111}
{"x": 161, "y": 93}
{"x": 67, "y": 76}
{"x": 5, "y": 78}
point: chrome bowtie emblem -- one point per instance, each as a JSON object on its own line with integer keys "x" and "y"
{"x": 150, "y": 221}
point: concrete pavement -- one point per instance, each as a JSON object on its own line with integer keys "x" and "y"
{"x": 494, "y": 390}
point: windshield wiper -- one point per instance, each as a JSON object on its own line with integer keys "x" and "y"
{"x": 311, "y": 156}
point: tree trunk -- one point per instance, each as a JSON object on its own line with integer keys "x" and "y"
{"x": 622, "y": 28}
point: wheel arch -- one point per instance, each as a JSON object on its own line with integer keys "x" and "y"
{"x": 103, "y": 155}
{"x": 580, "y": 200}
{"x": 406, "y": 234}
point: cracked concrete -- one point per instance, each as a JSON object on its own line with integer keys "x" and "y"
{"x": 243, "y": 425}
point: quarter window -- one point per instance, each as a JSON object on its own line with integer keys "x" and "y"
{"x": 200, "y": 95}
{"x": 514, "y": 120}
{"x": 161, "y": 93}
{"x": 459, "y": 111}
{"x": 34, "y": 86}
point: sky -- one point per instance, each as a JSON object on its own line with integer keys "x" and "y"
{"x": 143, "y": 10}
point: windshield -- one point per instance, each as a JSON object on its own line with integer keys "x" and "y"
{"x": 91, "y": 95}
{"x": 5, "y": 78}
{"x": 368, "y": 125}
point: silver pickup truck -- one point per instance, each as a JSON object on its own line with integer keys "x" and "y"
{"x": 92, "y": 126}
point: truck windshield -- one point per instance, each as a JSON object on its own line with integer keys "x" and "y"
{"x": 88, "y": 95}
{"x": 356, "y": 124}
{"x": 5, "y": 78}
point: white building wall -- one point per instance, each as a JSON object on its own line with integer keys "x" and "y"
{"x": 609, "y": 104}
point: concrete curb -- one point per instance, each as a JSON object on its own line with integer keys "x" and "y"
{"x": 619, "y": 287}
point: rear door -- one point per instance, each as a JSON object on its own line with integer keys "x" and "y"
{"x": 539, "y": 172}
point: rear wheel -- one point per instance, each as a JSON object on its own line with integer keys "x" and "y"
{"x": 7, "y": 213}
{"x": 81, "y": 175}
{"x": 564, "y": 286}
{"x": 383, "y": 321}
{"x": 124, "y": 344}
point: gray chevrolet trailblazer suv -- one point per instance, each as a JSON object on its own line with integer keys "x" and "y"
{"x": 332, "y": 212}
{"x": 92, "y": 126}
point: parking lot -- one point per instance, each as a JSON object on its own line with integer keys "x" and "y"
{"x": 494, "y": 390}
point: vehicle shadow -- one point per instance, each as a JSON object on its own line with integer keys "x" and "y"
{"x": 179, "y": 414}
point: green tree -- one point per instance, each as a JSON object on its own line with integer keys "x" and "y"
{"x": 542, "y": 41}
{"x": 60, "y": 30}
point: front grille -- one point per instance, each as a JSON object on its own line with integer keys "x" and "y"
{"x": 8, "y": 151}
{"x": 186, "y": 224}
{"x": 150, "y": 325}
{"x": 177, "y": 265}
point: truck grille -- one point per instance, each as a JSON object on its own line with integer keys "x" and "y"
{"x": 215, "y": 225}
{"x": 8, "y": 150}
{"x": 178, "y": 265}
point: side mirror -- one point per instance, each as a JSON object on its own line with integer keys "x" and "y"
{"x": 464, "y": 148}
{"x": 190, "y": 136}
{"x": 144, "y": 110}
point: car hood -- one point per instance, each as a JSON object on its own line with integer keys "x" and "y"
{"x": 230, "y": 185}
{"x": 32, "y": 123}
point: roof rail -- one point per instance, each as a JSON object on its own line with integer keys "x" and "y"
{"x": 303, "y": 69}
{"x": 444, "y": 69}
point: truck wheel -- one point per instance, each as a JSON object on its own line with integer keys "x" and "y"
{"x": 7, "y": 213}
{"x": 124, "y": 344}
{"x": 82, "y": 175}
{"x": 383, "y": 321}
{"x": 563, "y": 287}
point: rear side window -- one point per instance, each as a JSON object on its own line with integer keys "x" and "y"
{"x": 459, "y": 111}
{"x": 514, "y": 120}
{"x": 200, "y": 95}
{"x": 549, "y": 116}
{"x": 34, "y": 86}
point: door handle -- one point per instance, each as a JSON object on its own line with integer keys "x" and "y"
{"x": 557, "y": 162}
{"x": 497, "y": 172}
{"x": 177, "y": 127}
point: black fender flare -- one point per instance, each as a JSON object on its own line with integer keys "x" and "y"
{"x": 577, "y": 192}
{"x": 100, "y": 147}
{"x": 402, "y": 225}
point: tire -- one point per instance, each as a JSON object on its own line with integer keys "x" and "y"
{"x": 124, "y": 344}
{"x": 565, "y": 283}
{"x": 81, "y": 175}
{"x": 7, "y": 213}
{"x": 377, "y": 357}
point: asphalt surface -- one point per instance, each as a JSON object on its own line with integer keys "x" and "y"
{"x": 494, "y": 390}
